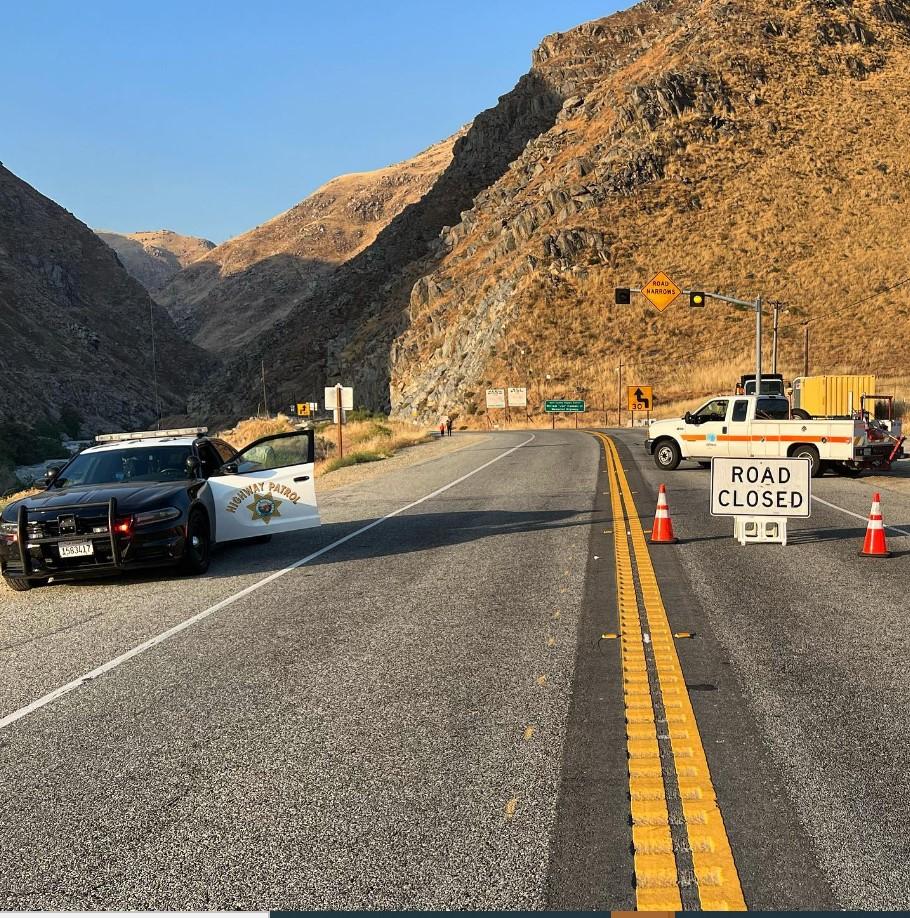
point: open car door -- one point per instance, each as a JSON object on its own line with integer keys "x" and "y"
{"x": 268, "y": 488}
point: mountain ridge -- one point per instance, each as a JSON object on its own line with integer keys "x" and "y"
{"x": 71, "y": 318}
{"x": 742, "y": 146}
{"x": 153, "y": 257}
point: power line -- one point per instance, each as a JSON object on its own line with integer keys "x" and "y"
{"x": 854, "y": 304}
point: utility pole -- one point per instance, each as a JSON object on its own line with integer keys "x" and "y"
{"x": 777, "y": 307}
{"x": 806, "y": 350}
{"x": 758, "y": 346}
{"x": 338, "y": 411}
{"x": 265, "y": 401}
{"x": 619, "y": 396}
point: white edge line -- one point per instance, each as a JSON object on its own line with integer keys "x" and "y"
{"x": 858, "y": 516}
{"x": 230, "y": 600}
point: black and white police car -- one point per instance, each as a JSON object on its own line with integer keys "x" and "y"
{"x": 156, "y": 498}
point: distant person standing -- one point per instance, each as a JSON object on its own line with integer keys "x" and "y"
{"x": 449, "y": 425}
{"x": 442, "y": 425}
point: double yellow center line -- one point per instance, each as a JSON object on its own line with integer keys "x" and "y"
{"x": 681, "y": 851}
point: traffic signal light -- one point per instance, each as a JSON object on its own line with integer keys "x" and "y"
{"x": 696, "y": 298}
{"x": 623, "y": 296}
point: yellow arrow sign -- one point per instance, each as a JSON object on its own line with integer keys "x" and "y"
{"x": 641, "y": 398}
{"x": 660, "y": 291}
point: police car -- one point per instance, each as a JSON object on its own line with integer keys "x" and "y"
{"x": 155, "y": 498}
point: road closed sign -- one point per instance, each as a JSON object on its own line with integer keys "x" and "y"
{"x": 761, "y": 487}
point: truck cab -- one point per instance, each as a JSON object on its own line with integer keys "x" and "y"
{"x": 771, "y": 384}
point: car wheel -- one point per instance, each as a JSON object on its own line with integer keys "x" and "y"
{"x": 667, "y": 456}
{"x": 197, "y": 550}
{"x": 21, "y": 584}
{"x": 804, "y": 451}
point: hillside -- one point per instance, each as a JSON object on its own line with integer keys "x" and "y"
{"x": 225, "y": 299}
{"x": 154, "y": 257}
{"x": 76, "y": 327}
{"x": 746, "y": 147}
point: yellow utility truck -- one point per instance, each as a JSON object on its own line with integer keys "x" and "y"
{"x": 831, "y": 396}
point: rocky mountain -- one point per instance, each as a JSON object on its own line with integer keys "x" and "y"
{"x": 742, "y": 146}
{"x": 76, "y": 328}
{"x": 154, "y": 257}
{"x": 227, "y": 298}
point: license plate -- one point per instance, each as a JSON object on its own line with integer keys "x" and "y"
{"x": 75, "y": 549}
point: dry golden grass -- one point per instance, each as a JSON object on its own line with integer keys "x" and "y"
{"x": 370, "y": 440}
{"x": 253, "y": 428}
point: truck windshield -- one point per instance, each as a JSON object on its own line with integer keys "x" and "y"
{"x": 155, "y": 463}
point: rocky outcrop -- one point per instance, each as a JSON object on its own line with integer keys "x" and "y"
{"x": 77, "y": 330}
{"x": 652, "y": 164}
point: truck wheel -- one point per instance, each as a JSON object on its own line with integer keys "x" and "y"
{"x": 804, "y": 451}
{"x": 801, "y": 414}
{"x": 666, "y": 455}
{"x": 198, "y": 544}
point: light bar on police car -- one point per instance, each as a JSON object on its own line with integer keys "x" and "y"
{"x": 151, "y": 434}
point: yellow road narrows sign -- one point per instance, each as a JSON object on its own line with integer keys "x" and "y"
{"x": 660, "y": 291}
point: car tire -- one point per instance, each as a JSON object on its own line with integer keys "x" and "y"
{"x": 666, "y": 455}
{"x": 198, "y": 547}
{"x": 804, "y": 451}
{"x": 19, "y": 584}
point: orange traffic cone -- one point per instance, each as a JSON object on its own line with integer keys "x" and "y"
{"x": 874, "y": 545}
{"x": 662, "y": 533}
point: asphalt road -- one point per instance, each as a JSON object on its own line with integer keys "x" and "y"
{"x": 424, "y": 716}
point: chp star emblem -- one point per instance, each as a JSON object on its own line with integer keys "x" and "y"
{"x": 264, "y": 507}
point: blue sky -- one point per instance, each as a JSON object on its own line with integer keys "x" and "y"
{"x": 210, "y": 117}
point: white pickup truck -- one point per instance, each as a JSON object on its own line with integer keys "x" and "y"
{"x": 744, "y": 426}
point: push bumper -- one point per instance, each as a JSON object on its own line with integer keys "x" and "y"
{"x": 36, "y": 555}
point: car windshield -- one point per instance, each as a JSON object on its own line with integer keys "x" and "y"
{"x": 153, "y": 463}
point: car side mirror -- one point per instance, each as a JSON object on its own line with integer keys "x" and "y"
{"x": 687, "y": 417}
{"x": 193, "y": 465}
{"x": 51, "y": 474}
{"x": 229, "y": 468}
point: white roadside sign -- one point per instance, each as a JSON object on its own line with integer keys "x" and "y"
{"x": 761, "y": 487}
{"x": 518, "y": 397}
{"x": 496, "y": 398}
{"x": 347, "y": 398}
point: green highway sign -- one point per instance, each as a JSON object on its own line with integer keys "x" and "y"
{"x": 555, "y": 406}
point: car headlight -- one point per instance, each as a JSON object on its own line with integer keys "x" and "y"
{"x": 156, "y": 516}
{"x": 9, "y": 532}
